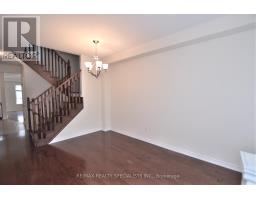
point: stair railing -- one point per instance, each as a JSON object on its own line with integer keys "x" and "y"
{"x": 49, "y": 108}
{"x": 51, "y": 61}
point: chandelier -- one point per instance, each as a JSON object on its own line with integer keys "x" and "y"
{"x": 95, "y": 66}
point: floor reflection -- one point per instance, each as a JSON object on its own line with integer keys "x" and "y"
{"x": 22, "y": 133}
{"x": 16, "y": 116}
{"x": 21, "y": 118}
{"x": 13, "y": 125}
{"x": 1, "y": 138}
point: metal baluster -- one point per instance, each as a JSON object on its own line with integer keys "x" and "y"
{"x": 68, "y": 100}
{"x": 53, "y": 110}
{"x": 39, "y": 120}
{"x": 58, "y": 76}
{"x": 61, "y": 104}
{"x": 73, "y": 89}
{"x": 37, "y": 55}
{"x": 52, "y": 72}
{"x": 29, "y": 119}
{"x": 61, "y": 69}
{"x": 49, "y": 63}
{"x": 49, "y": 111}
{"x": 33, "y": 117}
{"x": 42, "y": 117}
{"x": 45, "y": 59}
{"x": 41, "y": 56}
{"x": 55, "y": 74}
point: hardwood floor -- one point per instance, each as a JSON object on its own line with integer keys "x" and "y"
{"x": 16, "y": 116}
{"x": 100, "y": 158}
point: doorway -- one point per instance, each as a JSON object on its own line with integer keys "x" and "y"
{"x": 12, "y": 126}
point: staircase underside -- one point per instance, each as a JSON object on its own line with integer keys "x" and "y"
{"x": 58, "y": 127}
{"x": 43, "y": 73}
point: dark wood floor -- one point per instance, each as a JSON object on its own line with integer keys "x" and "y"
{"x": 100, "y": 158}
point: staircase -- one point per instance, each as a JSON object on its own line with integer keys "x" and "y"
{"x": 50, "y": 112}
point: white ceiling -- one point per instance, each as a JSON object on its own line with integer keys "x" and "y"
{"x": 74, "y": 33}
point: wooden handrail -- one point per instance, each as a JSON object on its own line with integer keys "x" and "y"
{"x": 50, "y": 91}
{"x": 51, "y": 106}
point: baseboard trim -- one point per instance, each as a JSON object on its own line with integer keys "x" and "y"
{"x": 106, "y": 130}
{"x": 169, "y": 147}
{"x": 74, "y": 136}
{"x": 185, "y": 152}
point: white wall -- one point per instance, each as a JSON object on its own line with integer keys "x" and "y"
{"x": 7, "y": 67}
{"x": 89, "y": 119}
{"x": 10, "y": 81}
{"x": 33, "y": 83}
{"x": 2, "y": 95}
{"x": 106, "y": 101}
{"x": 10, "y": 96}
{"x": 197, "y": 99}
{"x": 254, "y": 110}
{"x": 1, "y": 79}
{"x": 10, "y": 67}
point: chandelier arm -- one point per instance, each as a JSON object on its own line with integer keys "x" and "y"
{"x": 98, "y": 73}
{"x": 95, "y": 75}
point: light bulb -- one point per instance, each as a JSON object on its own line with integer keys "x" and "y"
{"x": 98, "y": 64}
{"x": 105, "y": 66}
{"x": 88, "y": 65}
